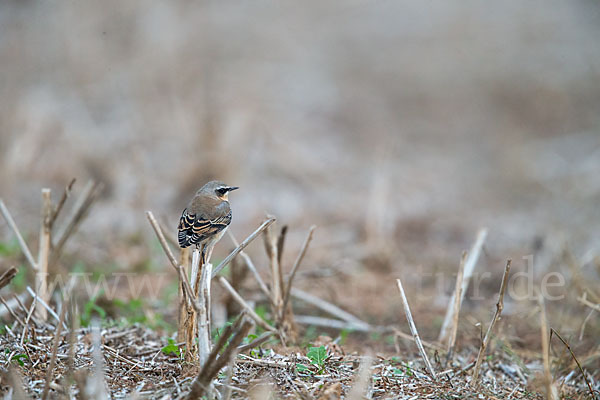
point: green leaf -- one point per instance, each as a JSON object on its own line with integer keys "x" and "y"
{"x": 303, "y": 368}
{"x": 18, "y": 357}
{"x": 171, "y": 348}
{"x": 317, "y": 355}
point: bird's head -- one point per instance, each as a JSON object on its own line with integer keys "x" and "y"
{"x": 219, "y": 189}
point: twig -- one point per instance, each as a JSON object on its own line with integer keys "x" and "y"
{"x": 413, "y": 329}
{"x": 251, "y": 267}
{"x": 213, "y": 365}
{"x": 161, "y": 238}
{"x": 261, "y": 322}
{"x": 469, "y": 268}
{"x": 44, "y": 304}
{"x": 328, "y": 307}
{"x": 288, "y": 288}
{"x": 362, "y": 379}
{"x": 552, "y": 331}
{"x": 276, "y": 276}
{"x": 256, "y": 342}
{"x": 11, "y": 223}
{"x": 16, "y": 383}
{"x": 583, "y": 300}
{"x": 12, "y": 312}
{"x": 456, "y": 305}
{"x": 488, "y": 334}
{"x": 550, "y": 390}
{"x": 281, "y": 242}
{"x": 243, "y": 245}
{"x": 61, "y": 202}
{"x": 29, "y": 315}
{"x": 332, "y": 323}
{"x": 80, "y": 208}
{"x": 41, "y": 277}
{"x": 7, "y": 276}
{"x": 55, "y": 343}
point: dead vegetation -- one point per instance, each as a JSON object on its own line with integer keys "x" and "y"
{"x": 48, "y": 355}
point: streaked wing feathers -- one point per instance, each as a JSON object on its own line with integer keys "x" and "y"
{"x": 194, "y": 230}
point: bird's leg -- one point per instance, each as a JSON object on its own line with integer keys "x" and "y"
{"x": 203, "y": 256}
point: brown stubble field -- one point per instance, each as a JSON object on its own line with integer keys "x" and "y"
{"x": 398, "y": 129}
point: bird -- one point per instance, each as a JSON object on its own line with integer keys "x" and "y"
{"x": 206, "y": 218}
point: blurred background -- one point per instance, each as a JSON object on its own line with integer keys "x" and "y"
{"x": 399, "y": 128}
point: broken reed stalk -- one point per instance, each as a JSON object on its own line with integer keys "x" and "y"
{"x": 236, "y": 296}
{"x": 469, "y": 268}
{"x": 589, "y": 385}
{"x": 41, "y": 277}
{"x": 550, "y": 390}
{"x": 276, "y": 276}
{"x": 183, "y": 306}
{"x": 456, "y": 305}
{"x": 75, "y": 217}
{"x": 329, "y": 308}
{"x": 204, "y": 316}
{"x": 215, "y": 363}
{"x": 62, "y": 201}
{"x": 55, "y": 343}
{"x": 288, "y": 287}
{"x": 243, "y": 245}
{"x": 488, "y": 334}
{"x": 413, "y": 329}
{"x": 361, "y": 384}
{"x": 251, "y": 267}
{"x": 13, "y": 226}
{"x": 7, "y": 276}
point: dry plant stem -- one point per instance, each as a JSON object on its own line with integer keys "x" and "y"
{"x": 29, "y": 314}
{"x": 288, "y": 287}
{"x": 7, "y": 276}
{"x": 12, "y": 312}
{"x": 469, "y": 268}
{"x": 328, "y": 307}
{"x": 11, "y": 223}
{"x": 281, "y": 242}
{"x": 583, "y": 300}
{"x": 362, "y": 380}
{"x": 41, "y": 276}
{"x": 55, "y": 343}
{"x": 488, "y": 334}
{"x": 276, "y": 277}
{"x": 17, "y": 385}
{"x": 243, "y": 245}
{"x": 61, "y": 202}
{"x": 80, "y": 210}
{"x": 161, "y": 238}
{"x": 204, "y": 316}
{"x": 44, "y": 304}
{"x": 213, "y": 364}
{"x": 456, "y": 305}
{"x": 251, "y": 267}
{"x": 550, "y": 393}
{"x": 183, "y": 304}
{"x": 256, "y": 342}
{"x": 332, "y": 323}
{"x": 413, "y": 329}
{"x": 261, "y": 322}
{"x": 552, "y": 331}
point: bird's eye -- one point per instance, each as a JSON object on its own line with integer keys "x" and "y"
{"x": 221, "y": 191}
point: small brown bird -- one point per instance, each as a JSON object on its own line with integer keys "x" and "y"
{"x": 205, "y": 219}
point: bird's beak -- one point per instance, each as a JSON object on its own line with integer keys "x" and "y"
{"x": 230, "y": 188}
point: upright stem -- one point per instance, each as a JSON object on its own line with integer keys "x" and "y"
{"x": 41, "y": 283}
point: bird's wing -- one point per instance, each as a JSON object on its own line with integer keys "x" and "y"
{"x": 194, "y": 228}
